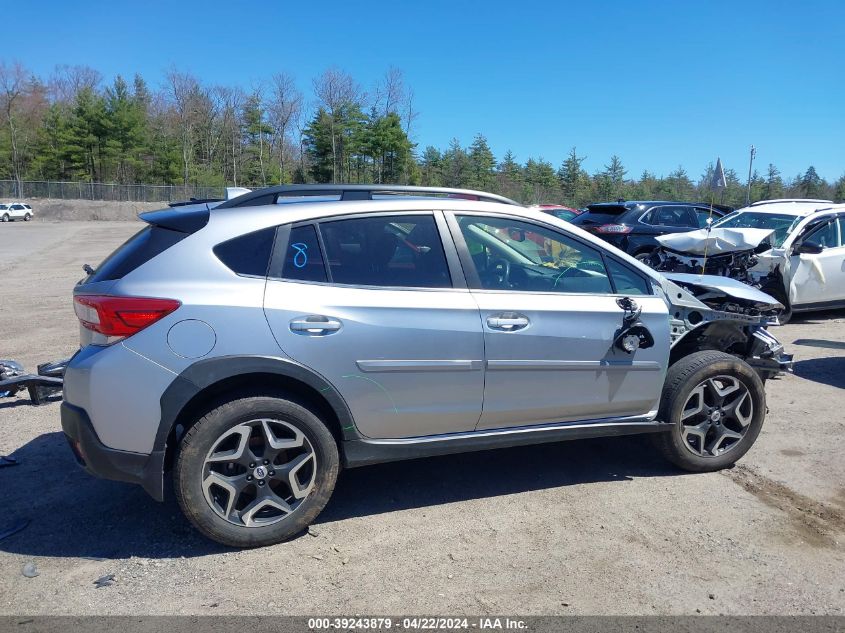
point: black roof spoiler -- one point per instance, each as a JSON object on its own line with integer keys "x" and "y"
{"x": 178, "y": 219}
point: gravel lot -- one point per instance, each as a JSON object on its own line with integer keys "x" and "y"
{"x": 599, "y": 526}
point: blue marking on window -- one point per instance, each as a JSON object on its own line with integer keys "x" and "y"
{"x": 300, "y": 259}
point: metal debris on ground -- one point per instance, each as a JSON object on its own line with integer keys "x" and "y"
{"x": 16, "y": 527}
{"x": 105, "y": 581}
{"x": 47, "y": 382}
{"x": 30, "y": 570}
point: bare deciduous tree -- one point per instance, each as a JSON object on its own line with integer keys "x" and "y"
{"x": 68, "y": 81}
{"x": 336, "y": 90}
{"x": 284, "y": 109}
{"x": 184, "y": 91}
{"x": 13, "y": 80}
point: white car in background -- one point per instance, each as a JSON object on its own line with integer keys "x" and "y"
{"x": 798, "y": 249}
{"x": 15, "y": 211}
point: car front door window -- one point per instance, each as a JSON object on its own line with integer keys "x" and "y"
{"x": 826, "y": 236}
{"x": 513, "y": 255}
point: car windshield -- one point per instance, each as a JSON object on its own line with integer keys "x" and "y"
{"x": 781, "y": 223}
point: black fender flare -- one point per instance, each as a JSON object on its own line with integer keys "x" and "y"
{"x": 206, "y": 373}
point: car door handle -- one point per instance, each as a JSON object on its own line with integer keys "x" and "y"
{"x": 507, "y": 322}
{"x": 314, "y": 325}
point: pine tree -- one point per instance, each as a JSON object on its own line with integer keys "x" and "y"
{"x": 811, "y": 184}
{"x": 431, "y": 168}
{"x": 615, "y": 175}
{"x": 571, "y": 179}
{"x": 773, "y": 188}
{"x": 679, "y": 184}
{"x": 481, "y": 164}
{"x": 509, "y": 177}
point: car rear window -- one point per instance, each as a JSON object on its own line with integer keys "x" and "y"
{"x": 248, "y": 254}
{"x": 137, "y": 250}
{"x": 601, "y": 214}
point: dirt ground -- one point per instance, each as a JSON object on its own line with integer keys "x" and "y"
{"x": 590, "y": 527}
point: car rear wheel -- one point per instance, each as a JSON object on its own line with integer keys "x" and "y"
{"x": 255, "y": 471}
{"x": 716, "y": 404}
{"x": 27, "y": 217}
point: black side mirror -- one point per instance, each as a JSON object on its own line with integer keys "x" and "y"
{"x": 808, "y": 248}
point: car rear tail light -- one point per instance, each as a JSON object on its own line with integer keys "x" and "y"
{"x": 613, "y": 228}
{"x": 119, "y": 317}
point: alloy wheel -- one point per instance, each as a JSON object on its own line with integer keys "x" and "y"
{"x": 259, "y": 472}
{"x": 716, "y": 416}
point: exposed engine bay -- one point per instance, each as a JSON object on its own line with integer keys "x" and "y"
{"x": 720, "y": 313}
{"x": 730, "y": 253}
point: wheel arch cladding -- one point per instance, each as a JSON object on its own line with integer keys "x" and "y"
{"x": 208, "y": 383}
{"x": 724, "y": 336}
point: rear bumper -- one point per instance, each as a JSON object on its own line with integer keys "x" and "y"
{"x": 108, "y": 463}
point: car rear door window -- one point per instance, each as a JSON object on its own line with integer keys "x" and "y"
{"x": 389, "y": 251}
{"x": 303, "y": 259}
{"x": 518, "y": 256}
{"x": 675, "y": 216}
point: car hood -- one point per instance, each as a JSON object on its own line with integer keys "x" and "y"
{"x": 712, "y": 286}
{"x": 714, "y": 241}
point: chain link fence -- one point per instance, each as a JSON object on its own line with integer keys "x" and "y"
{"x": 28, "y": 189}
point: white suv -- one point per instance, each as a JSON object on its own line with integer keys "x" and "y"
{"x": 805, "y": 269}
{"x": 15, "y": 211}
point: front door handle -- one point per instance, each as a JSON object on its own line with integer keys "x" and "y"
{"x": 314, "y": 325}
{"x": 507, "y": 322}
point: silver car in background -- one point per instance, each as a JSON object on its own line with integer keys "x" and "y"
{"x": 253, "y": 349}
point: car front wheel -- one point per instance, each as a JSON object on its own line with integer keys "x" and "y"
{"x": 5, "y": 217}
{"x": 644, "y": 257}
{"x": 716, "y": 404}
{"x": 255, "y": 471}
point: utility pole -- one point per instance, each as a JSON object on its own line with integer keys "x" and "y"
{"x": 748, "y": 186}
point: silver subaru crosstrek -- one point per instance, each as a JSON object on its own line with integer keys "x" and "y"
{"x": 256, "y": 347}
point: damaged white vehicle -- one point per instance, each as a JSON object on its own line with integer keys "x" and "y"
{"x": 794, "y": 250}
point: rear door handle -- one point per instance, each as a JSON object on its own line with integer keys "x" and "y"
{"x": 507, "y": 322}
{"x": 314, "y": 325}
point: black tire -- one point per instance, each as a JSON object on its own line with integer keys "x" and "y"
{"x": 27, "y": 217}
{"x": 5, "y": 217}
{"x": 684, "y": 377}
{"x": 645, "y": 257}
{"x": 195, "y": 447}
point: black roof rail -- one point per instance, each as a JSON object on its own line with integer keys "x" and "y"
{"x": 271, "y": 195}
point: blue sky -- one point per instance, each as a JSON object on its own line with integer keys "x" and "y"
{"x": 658, "y": 83}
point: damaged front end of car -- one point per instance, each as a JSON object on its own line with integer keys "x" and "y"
{"x": 721, "y": 252}
{"x": 719, "y": 313}
{"x": 745, "y": 255}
